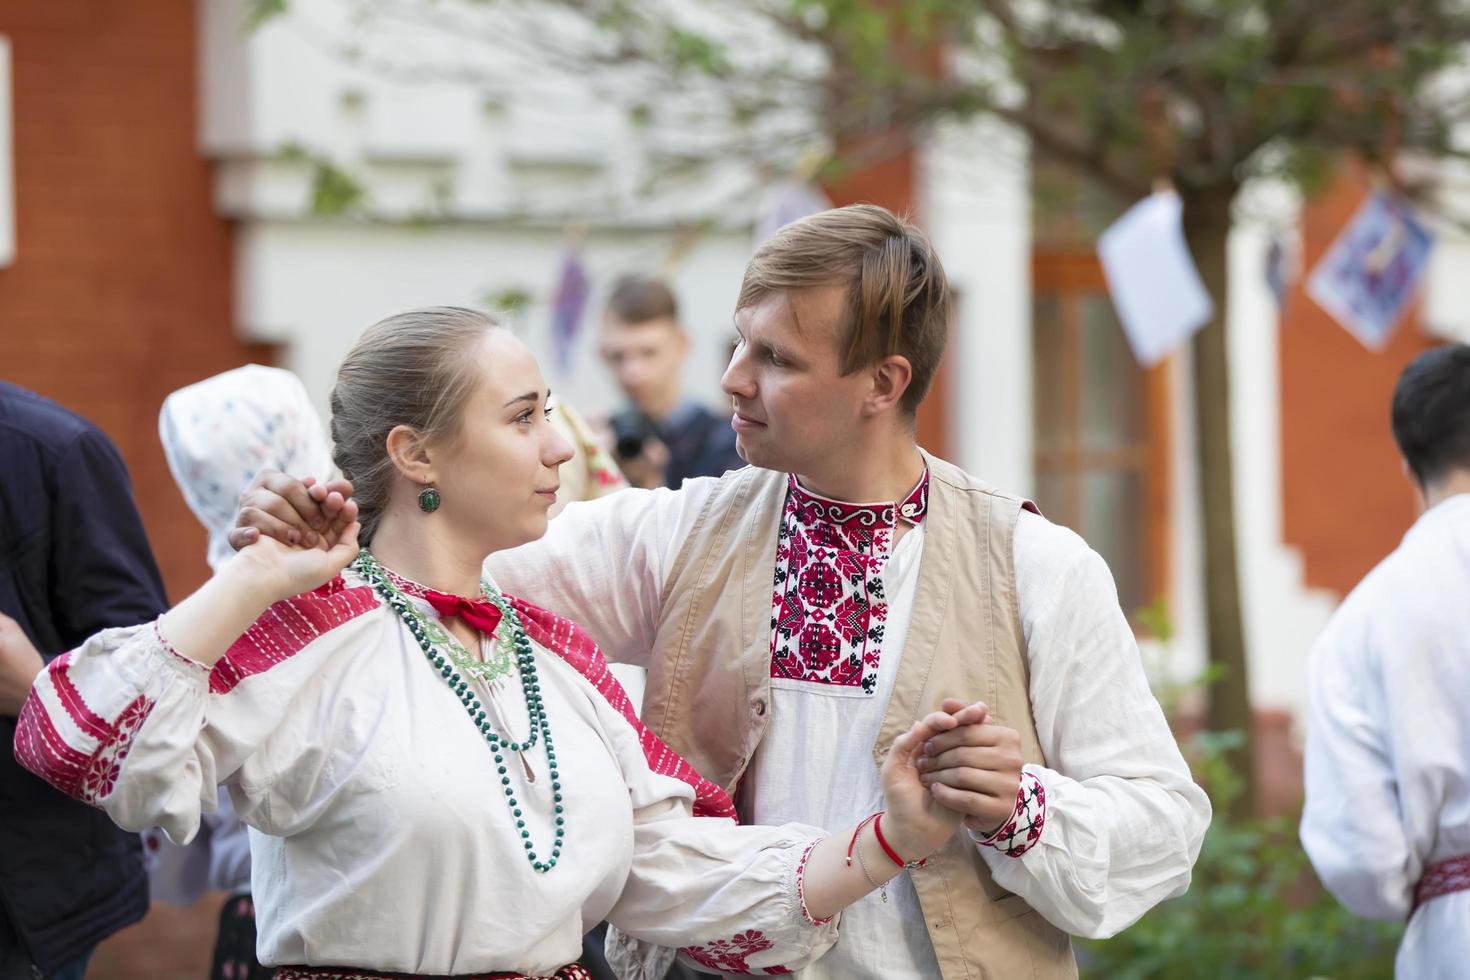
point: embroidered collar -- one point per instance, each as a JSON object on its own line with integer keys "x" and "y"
{"x": 813, "y": 508}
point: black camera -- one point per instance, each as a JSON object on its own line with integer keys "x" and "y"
{"x": 631, "y": 430}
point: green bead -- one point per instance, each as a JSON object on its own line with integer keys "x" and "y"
{"x": 560, "y": 821}
{"x": 505, "y": 780}
{"x": 501, "y": 770}
{"x": 525, "y": 833}
{"x": 558, "y": 808}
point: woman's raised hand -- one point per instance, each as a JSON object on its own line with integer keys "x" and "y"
{"x": 915, "y": 824}
{"x": 275, "y": 571}
{"x": 293, "y": 511}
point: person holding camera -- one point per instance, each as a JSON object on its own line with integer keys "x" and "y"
{"x": 662, "y": 437}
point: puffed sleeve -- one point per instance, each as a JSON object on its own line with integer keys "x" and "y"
{"x": 127, "y": 724}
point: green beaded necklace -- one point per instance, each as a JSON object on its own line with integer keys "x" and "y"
{"x": 370, "y": 569}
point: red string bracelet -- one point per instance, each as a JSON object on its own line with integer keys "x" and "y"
{"x": 892, "y": 854}
{"x": 852, "y": 843}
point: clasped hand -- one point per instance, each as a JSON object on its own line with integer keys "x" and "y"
{"x": 952, "y": 767}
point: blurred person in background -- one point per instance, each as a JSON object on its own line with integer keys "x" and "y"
{"x": 217, "y": 434}
{"x": 1387, "y": 815}
{"x": 73, "y": 560}
{"x": 662, "y": 437}
{"x": 591, "y": 472}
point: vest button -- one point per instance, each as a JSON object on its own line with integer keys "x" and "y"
{"x": 760, "y": 707}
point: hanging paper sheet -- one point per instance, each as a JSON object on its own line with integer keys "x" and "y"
{"x": 1369, "y": 273}
{"x": 1153, "y": 281}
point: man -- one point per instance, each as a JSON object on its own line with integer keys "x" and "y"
{"x": 662, "y": 438}
{"x": 73, "y": 561}
{"x": 793, "y": 613}
{"x": 1387, "y": 817}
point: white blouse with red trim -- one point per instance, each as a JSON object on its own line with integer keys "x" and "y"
{"x": 381, "y": 837}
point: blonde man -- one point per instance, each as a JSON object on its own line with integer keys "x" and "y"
{"x": 793, "y": 612}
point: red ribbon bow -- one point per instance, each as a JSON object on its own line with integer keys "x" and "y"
{"x": 482, "y": 614}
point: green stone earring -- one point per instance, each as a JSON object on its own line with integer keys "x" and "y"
{"x": 428, "y": 500}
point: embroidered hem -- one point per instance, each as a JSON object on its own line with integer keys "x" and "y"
{"x": 801, "y": 886}
{"x": 169, "y": 649}
{"x": 1023, "y": 829}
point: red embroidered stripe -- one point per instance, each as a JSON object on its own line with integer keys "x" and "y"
{"x": 566, "y": 639}
{"x": 39, "y": 745}
{"x": 71, "y": 699}
{"x": 286, "y": 628}
{"x": 1443, "y": 878}
{"x": 40, "y": 748}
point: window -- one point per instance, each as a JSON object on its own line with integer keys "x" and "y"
{"x": 1101, "y": 443}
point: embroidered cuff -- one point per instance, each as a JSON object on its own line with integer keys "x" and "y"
{"x": 801, "y": 887}
{"x": 1023, "y": 829}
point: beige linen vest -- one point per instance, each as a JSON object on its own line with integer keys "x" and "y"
{"x": 708, "y": 690}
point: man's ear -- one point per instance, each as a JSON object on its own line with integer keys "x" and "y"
{"x": 410, "y": 454}
{"x": 891, "y": 377}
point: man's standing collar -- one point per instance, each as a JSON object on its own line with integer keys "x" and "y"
{"x": 813, "y": 508}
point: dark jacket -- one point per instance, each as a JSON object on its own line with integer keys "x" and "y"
{"x": 73, "y": 560}
{"x": 700, "y": 443}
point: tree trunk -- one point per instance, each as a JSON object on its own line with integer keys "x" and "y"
{"x": 1207, "y": 229}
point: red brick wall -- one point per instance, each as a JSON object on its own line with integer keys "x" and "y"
{"x": 121, "y": 287}
{"x": 1345, "y": 501}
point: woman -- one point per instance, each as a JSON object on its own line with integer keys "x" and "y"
{"x": 444, "y": 780}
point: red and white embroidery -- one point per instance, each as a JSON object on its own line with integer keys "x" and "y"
{"x": 567, "y": 640}
{"x": 1443, "y": 878}
{"x": 828, "y": 605}
{"x": 102, "y": 772}
{"x": 41, "y": 747}
{"x": 1021, "y": 832}
{"x": 730, "y": 955}
{"x": 287, "y": 627}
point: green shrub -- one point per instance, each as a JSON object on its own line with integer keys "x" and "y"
{"x": 1254, "y": 909}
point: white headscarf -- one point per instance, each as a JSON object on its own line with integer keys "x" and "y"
{"x": 219, "y": 433}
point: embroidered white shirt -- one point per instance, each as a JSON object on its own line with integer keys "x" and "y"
{"x": 380, "y": 832}
{"x": 1388, "y": 741}
{"x": 1124, "y": 820}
